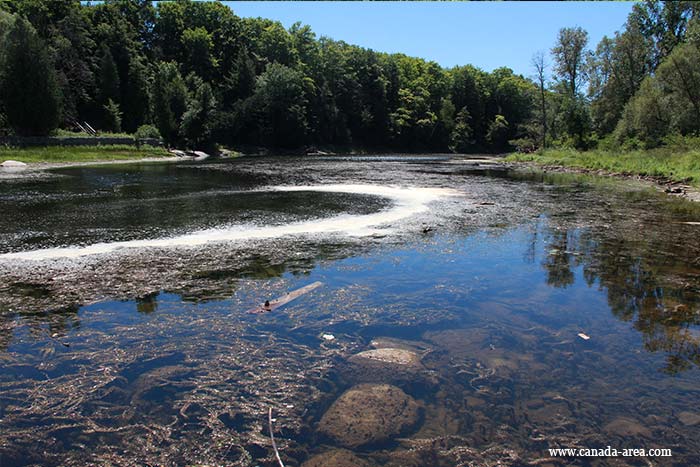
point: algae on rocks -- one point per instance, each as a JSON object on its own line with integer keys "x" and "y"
{"x": 369, "y": 414}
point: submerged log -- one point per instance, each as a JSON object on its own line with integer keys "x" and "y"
{"x": 272, "y": 305}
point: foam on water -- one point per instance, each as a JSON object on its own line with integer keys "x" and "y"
{"x": 406, "y": 202}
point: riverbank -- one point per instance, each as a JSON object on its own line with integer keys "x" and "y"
{"x": 674, "y": 171}
{"x": 81, "y": 154}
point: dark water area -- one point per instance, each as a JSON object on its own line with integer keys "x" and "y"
{"x": 145, "y": 356}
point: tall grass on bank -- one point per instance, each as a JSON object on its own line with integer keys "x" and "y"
{"x": 80, "y": 153}
{"x": 679, "y": 164}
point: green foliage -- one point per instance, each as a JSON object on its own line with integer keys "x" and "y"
{"x": 279, "y": 94}
{"x": 498, "y": 132}
{"x": 112, "y": 117}
{"x": 108, "y": 79}
{"x": 616, "y": 71}
{"x": 196, "y": 121}
{"x": 136, "y": 96}
{"x": 147, "y": 132}
{"x": 80, "y": 153}
{"x": 666, "y": 103}
{"x": 461, "y": 137}
{"x": 677, "y": 163}
{"x": 120, "y": 63}
{"x": 28, "y": 89}
{"x": 569, "y": 57}
{"x": 169, "y": 100}
{"x": 198, "y": 47}
{"x": 240, "y": 82}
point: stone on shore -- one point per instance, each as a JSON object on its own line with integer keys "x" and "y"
{"x": 369, "y": 414}
{"x": 13, "y": 164}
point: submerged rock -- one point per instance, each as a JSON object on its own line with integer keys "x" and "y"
{"x": 689, "y": 418}
{"x": 405, "y": 358}
{"x": 626, "y": 427}
{"x": 336, "y": 458}
{"x": 369, "y": 414}
{"x": 390, "y": 361}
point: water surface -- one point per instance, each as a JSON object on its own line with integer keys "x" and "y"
{"x": 144, "y": 355}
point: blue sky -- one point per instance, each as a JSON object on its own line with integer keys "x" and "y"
{"x": 485, "y": 34}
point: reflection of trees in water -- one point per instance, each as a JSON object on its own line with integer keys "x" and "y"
{"x": 200, "y": 283}
{"x": 147, "y": 304}
{"x": 51, "y": 323}
{"x": 558, "y": 260}
{"x": 650, "y": 278}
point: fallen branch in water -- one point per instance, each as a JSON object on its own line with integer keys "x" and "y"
{"x": 272, "y": 437}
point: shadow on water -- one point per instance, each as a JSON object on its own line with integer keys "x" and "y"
{"x": 492, "y": 301}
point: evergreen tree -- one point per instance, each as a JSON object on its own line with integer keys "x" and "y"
{"x": 169, "y": 100}
{"x": 197, "y": 119}
{"x": 108, "y": 80}
{"x": 136, "y": 96}
{"x": 29, "y": 90}
{"x": 112, "y": 117}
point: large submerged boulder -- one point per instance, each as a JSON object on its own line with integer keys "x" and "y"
{"x": 405, "y": 359}
{"x": 369, "y": 414}
{"x": 336, "y": 458}
{"x": 390, "y": 361}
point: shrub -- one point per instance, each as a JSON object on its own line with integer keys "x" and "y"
{"x": 147, "y": 132}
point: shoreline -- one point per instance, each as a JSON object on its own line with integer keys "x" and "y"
{"x": 674, "y": 188}
{"x": 33, "y": 166}
{"x": 671, "y": 187}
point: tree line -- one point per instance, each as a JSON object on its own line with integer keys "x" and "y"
{"x": 197, "y": 75}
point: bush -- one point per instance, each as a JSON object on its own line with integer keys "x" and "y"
{"x": 681, "y": 143}
{"x": 147, "y": 132}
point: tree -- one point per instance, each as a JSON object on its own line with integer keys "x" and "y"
{"x": 279, "y": 93}
{"x": 616, "y": 71}
{"x": 663, "y": 23}
{"x": 169, "y": 100}
{"x": 569, "y": 57}
{"x": 28, "y": 89}
{"x": 112, "y": 117}
{"x": 197, "y": 119}
{"x": 108, "y": 81}
{"x": 679, "y": 74}
{"x": 240, "y": 82}
{"x": 540, "y": 65}
{"x": 497, "y": 135}
{"x": 136, "y": 96}
{"x": 197, "y": 47}
{"x": 645, "y": 118}
{"x": 461, "y": 138}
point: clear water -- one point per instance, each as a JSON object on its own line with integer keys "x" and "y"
{"x": 146, "y": 356}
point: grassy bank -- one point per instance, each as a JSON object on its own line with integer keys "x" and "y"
{"x": 80, "y": 153}
{"x": 674, "y": 164}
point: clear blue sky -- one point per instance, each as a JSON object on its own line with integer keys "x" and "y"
{"x": 485, "y": 34}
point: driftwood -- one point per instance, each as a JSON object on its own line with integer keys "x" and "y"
{"x": 271, "y": 305}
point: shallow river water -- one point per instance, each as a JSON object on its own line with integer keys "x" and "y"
{"x": 544, "y": 311}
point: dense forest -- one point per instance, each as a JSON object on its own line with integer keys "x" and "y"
{"x": 197, "y": 75}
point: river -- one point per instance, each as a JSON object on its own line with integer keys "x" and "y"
{"x": 545, "y": 311}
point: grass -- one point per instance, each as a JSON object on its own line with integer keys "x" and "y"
{"x": 80, "y": 153}
{"x": 60, "y": 133}
{"x": 675, "y": 164}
